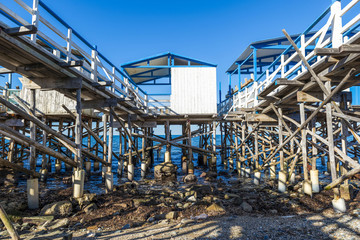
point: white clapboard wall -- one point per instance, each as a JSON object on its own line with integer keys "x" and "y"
{"x": 193, "y": 90}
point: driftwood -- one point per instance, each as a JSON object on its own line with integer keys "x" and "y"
{"x": 9, "y": 227}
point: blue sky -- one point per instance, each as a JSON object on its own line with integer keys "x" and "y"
{"x": 212, "y": 31}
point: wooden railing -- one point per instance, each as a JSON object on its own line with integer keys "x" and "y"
{"x": 337, "y": 30}
{"x": 59, "y": 38}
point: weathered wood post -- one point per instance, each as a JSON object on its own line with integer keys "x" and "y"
{"x": 237, "y": 154}
{"x": 222, "y": 152}
{"x": 121, "y": 157}
{"x": 282, "y": 172}
{"x": 44, "y": 162}
{"x": 213, "y": 157}
{"x": 130, "y": 166}
{"x": 345, "y": 187}
{"x": 307, "y": 187}
{"x": 105, "y": 146}
{"x": 33, "y": 183}
{"x": 231, "y": 156}
{"x": 96, "y": 163}
{"x": 314, "y": 173}
{"x": 243, "y": 153}
{"x": 205, "y": 145}
{"x": 190, "y": 153}
{"x": 257, "y": 173}
{"x": 79, "y": 173}
{"x": 184, "y": 162}
{"x": 109, "y": 177}
{"x": 224, "y": 160}
{"x": 143, "y": 152}
{"x": 201, "y": 145}
{"x": 88, "y": 161}
{"x": 167, "y": 157}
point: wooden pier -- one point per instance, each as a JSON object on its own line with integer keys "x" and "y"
{"x": 280, "y": 124}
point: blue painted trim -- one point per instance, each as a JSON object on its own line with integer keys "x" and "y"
{"x": 159, "y": 94}
{"x": 229, "y": 83}
{"x": 165, "y": 66}
{"x": 171, "y": 55}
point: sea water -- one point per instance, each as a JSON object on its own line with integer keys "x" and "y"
{"x": 95, "y": 182}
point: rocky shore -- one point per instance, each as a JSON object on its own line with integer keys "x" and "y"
{"x": 149, "y": 205}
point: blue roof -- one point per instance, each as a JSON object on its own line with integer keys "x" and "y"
{"x": 159, "y": 66}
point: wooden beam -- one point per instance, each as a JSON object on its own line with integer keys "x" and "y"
{"x": 52, "y": 83}
{"x": 327, "y": 99}
{"x": 99, "y": 103}
{"x": 319, "y": 96}
{"x": 5, "y": 71}
{"x": 9, "y": 132}
{"x": 102, "y": 83}
{"x": 250, "y": 117}
{"x": 343, "y": 50}
{"x": 13, "y": 122}
{"x": 18, "y": 168}
{"x": 74, "y": 63}
{"x": 61, "y": 138}
{"x": 126, "y": 131}
{"x": 22, "y": 30}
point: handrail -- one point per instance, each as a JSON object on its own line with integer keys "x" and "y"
{"x": 116, "y": 75}
{"x": 323, "y": 38}
{"x": 297, "y": 40}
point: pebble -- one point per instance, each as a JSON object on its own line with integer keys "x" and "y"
{"x": 191, "y": 199}
{"x": 91, "y": 235}
{"x": 126, "y": 226}
{"x": 200, "y": 217}
{"x": 246, "y": 207}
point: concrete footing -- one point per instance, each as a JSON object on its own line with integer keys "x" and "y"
{"x": 292, "y": 178}
{"x": 32, "y": 186}
{"x": 231, "y": 163}
{"x": 184, "y": 164}
{"x": 339, "y": 205}
{"x": 238, "y": 168}
{"x": 131, "y": 171}
{"x": 257, "y": 178}
{"x": 282, "y": 181}
{"x": 57, "y": 167}
{"x": 273, "y": 172}
{"x": 205, "y": 160}
{"x": 79, "y": 178}
{"x": 307, "y": 188}
{"x": 242, "y": 172}
{"x": 247, "y": 172}
{"x": 43, "y": 174}
{"x": 314, "y": 177}
{"x": 88, "y": 167}
{"x": 109, "y": 182}
{"x": 103, "y": 171}
{"x": 167, "y": 156}
{"x": 212, "y": 165}
{"x": 143, "y": 169}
